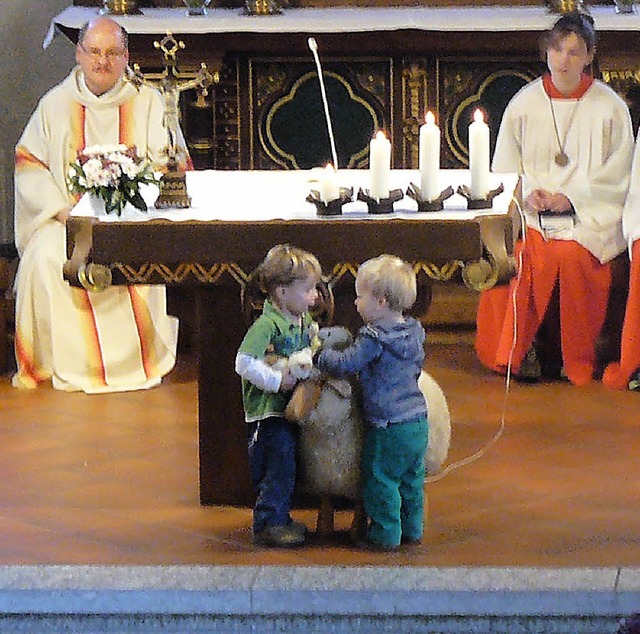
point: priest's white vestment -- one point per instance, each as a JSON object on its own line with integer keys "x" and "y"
{"x": 117, "y": 340}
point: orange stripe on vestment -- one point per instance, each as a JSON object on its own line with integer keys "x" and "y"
{"x": 89, "y": 334}
{"x": 25, "y": 159}
{"x": 78, "y": 118}
{"x": 146, "y": 332}
{"x": 26, "y": 362}
{"x": 126, "y": 123}
{"x": 89, "y": 328}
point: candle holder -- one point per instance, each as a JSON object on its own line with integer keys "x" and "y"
{"x": 624, "y": 6}
{"x": 120, "y": 7}
{"x": 566, "y": 6}
{"x": 382, "y": 206}
{"x": 262, "y": 7}
{"x": 333, "y": 207}
{"x": 437, "y": 204}
{"x": 480, "y": 203}
{"x": 196, "y": 7}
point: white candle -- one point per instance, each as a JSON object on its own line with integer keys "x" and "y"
{"x": 479, "y": 156}
{"x": 429, "y": 158}
{"x": 329, "y": 187}
{"x": 379, "y": 166}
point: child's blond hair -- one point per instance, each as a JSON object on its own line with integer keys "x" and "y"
{"x": 285, "y": 264}
{"x": 390, "y": 278}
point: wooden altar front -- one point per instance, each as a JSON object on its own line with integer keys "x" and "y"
{"x": 216, "y": 257}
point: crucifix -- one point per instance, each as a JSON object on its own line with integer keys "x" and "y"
{"x": 173, "y": 186}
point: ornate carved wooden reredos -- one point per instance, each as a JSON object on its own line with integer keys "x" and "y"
{"x": 266, "y": 112}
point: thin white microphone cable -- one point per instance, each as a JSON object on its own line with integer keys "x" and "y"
{"x": 480, "y": 452}
{"x": 313, "y": 46}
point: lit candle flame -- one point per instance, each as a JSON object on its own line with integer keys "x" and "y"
{"x": 430, "y": 118}
{"x": 478, "y": 116}
{"x": 381, "y": 135}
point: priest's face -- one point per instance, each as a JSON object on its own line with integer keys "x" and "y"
{"x": 567, "y": 58}
{"x": 102, "y": 54}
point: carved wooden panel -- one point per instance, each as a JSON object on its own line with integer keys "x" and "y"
{"x": 463, "y": 87}
{"x": 288, "y": 124}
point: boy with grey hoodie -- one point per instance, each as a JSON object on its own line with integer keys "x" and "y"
{"x": 387, "y": 357}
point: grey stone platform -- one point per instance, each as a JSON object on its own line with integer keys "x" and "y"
{"x": 315, "y": 599}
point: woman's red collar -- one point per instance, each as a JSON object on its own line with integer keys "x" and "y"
{"x": 578, "y": 93}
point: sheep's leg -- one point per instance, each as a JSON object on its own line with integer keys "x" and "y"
{"x": 358, "y": 530}
{"x": 325, "y": 524}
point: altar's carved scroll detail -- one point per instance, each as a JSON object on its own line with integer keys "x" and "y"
{"x": 478, "y": 275}
{"x": 151, "y": 273}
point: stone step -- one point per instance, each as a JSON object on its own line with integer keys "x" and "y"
{"x": 331, "y": 599}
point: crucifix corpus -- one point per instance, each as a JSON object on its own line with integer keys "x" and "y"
{"x": 173, "y": 185}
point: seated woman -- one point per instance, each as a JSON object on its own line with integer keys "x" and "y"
{"x": 570, "y": 137}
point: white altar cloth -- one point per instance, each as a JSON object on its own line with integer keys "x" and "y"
{"x": 318, "y": 20}
{"x": 281, "y": 195}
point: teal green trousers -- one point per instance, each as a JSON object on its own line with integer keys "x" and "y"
{"x": 393, "y": 481}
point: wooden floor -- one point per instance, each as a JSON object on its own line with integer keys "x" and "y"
{"x": 112, "y": 479}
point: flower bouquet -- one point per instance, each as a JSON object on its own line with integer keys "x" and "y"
{"x": 112, "y": 173}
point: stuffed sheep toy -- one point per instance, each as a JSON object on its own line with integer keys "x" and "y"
{"x": 331, "y": 432}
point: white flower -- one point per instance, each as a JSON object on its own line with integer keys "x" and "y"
{"x": 111, "y": 172}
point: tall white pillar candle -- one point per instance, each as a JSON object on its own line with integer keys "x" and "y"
{"x": 429, "y": 158}
{"x": 329, "y": 187}
{"x": 479, "y": 156}
{"x": 379, "y": 166}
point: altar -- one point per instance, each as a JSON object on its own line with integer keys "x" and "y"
{"x": 234, "y": 219}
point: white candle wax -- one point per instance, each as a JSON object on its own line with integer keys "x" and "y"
{"x": 328, "y": 182}
{"x": 379, "y": 166}
{"x": 479, "y": 156}
{"x": 429, "y": 158}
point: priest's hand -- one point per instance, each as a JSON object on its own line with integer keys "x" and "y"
{"x": 63, "y": 215}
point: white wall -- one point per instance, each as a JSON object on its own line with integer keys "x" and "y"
{"x": 26, "y": 73}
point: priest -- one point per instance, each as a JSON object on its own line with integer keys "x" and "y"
{"x": 120, "y": 339}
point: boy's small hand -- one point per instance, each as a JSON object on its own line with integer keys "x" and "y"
{"x": 288, "y": 381}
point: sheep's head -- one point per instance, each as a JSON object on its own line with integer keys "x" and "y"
{"x": 335, "y": 337}
{"x": 301, "y": 363}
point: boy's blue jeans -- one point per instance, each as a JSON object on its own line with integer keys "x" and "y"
{"x": 272, "y": 461}
{"x": 393, "y": 481}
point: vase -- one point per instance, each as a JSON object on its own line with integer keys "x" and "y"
{"x": 97, "y": 205}
{"x": 196, "y": 7}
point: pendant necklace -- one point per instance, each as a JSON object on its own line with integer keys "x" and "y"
{"x": 561, "y": 159}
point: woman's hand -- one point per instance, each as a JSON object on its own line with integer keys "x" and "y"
{"x": 542, "y": 200}
{"x": 558, "y": 203}
{"x": 537, "y": 200}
